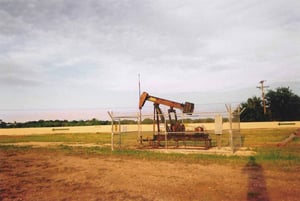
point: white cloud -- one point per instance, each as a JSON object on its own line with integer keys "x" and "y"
{"x": 70, "y": 46}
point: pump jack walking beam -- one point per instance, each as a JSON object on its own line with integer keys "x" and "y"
{"x": 186, "y": 107}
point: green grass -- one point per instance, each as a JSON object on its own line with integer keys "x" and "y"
{"x": 250, "y": 138}
{"x": 149, "y": 155}
{"x": 14, "y": 148}
{"x": 263, "y": 137}
{"x": 263, "y": 141}
{"x": 67, "y": 138}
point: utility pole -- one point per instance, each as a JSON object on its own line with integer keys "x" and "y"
{"x": 140, "y": 94}
{"x": 140, "y": 111}
{"x": 262, "y": 88}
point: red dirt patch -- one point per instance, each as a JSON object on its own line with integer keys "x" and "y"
{"x": 46, "y": 175}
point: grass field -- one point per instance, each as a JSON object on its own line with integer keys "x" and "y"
{"x": 262, "y": 141}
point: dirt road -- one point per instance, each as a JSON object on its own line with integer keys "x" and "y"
{"x": 43, "y": 175}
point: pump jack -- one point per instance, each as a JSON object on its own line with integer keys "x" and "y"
{"x": 175, "y": 130}
{"x": 174, "y": 125}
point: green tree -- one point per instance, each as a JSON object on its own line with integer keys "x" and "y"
{"x": 253, "y": 110}
{"x": 147, "y": 121}
{"x": 2, "y": 124}
{"x": 283, "y": 104}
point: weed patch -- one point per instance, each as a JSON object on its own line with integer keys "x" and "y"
{"x": 14, "y": 148}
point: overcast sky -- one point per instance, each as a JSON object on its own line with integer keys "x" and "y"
{"x": 64, "y": 54}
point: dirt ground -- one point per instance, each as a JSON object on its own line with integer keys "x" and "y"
{"x": 44, "y": 175}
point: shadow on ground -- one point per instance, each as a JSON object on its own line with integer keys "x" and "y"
{"x": 257, "y": 188}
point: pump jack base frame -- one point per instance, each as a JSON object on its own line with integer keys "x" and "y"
{"x": 156, "y": 141}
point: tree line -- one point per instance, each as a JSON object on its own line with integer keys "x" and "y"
{"x": 53, "y": 123}
{"x": 281, "y": 105}
{"x": 92, "y": 122}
